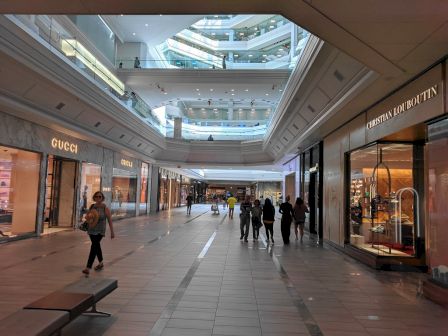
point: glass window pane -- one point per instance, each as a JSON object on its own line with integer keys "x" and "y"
{"x": 90, "y": 184}
{"x": 124, "y": 186}
{"x": 437, "y": 192}
{"x": 382, "y": 200}
{"x": 19, "y": 184}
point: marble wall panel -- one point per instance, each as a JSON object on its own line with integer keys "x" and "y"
{"x": 335, "y": 146}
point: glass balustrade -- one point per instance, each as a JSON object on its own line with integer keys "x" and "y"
{"x": 50, "y": 32}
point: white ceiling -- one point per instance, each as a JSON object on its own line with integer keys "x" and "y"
{"x": 151, "y": 29}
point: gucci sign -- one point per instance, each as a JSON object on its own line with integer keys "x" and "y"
{"x": 126, "y": 163}
{"x": 64, "y": 145}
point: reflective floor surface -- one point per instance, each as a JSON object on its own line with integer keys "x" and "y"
{"x": 191, "y": 275}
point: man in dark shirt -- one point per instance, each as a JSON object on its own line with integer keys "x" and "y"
{"x": 189, "y": 200}
{"x": 287, "y": 215}
{"x": 245, "y": 208}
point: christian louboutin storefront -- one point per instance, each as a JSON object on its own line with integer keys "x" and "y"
{"x": 394, "y": 182}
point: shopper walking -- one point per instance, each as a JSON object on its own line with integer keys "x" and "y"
{"x": 97, "y": 230}
{"x": 300, "y": 210}
{"x": 245, "y": 209}
{"x": 189, "y": 200}
{"x": 287, "y": 216}
{"x": 268, "y": 219}
{"x": 256, "y": 219}
{"x": 231, "y": 202}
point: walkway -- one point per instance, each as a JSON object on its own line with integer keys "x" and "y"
{"x": 185, "y": 275}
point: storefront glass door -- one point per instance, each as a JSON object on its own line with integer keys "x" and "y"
{"x": 60, "y": 204}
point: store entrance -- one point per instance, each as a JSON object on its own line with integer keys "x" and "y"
{"x": 60, "y": 202}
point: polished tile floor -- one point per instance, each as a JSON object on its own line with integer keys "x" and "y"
{"x": 185, "y": 275}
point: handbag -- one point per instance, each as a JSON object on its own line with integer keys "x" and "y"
{"x": 84, "y": 226}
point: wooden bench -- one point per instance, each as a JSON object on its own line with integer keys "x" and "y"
{"x": 48, "y": 315}
{"x": 27, "y": 322}
{"x": 97, "y": 287}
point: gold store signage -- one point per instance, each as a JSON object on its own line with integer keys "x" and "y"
{"x": 126, "y": 163}
{"x": 404, "y": 106}
{"x": 64, "y": 145}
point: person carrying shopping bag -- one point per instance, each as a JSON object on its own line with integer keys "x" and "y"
{"x": 96, "y": 218}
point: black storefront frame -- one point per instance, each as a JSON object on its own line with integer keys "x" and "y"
{"x": 315, "y": 154}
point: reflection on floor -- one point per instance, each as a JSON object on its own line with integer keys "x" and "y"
{"x": 52, "y": 230}
{"x": 383, "y": 250}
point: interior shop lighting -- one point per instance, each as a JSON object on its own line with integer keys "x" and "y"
{"x": 73, "y": 48}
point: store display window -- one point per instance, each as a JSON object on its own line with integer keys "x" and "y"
{"x": 144, "y": 188}
{"x": 383, "y": 202}
{"x": 19, "y": 187}
{"x": 90, "y": 184}
{"x": 437, "y": 198}
{"x": 124, "y": 196}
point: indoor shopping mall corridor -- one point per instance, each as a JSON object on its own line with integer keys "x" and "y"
{"x": 191, "y": 275}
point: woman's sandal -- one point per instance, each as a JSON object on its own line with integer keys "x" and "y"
{"x": 99, "y": 267}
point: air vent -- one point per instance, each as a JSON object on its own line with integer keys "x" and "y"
{"x": 97, "y": 124}
{"x": 139, "y": 145}
{"x": 285, "y": 139}
{"x": 295, "y": 126}
{"x": 60, "y": 106}
{"x": 122, "y": 136}
{"x": 311, "y": 108}
{"x": 338, "y": 76}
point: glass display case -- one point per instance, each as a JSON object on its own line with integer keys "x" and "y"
{"x": 383, "y": 202}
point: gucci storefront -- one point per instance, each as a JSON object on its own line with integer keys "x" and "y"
{"x": 47, "y": 180}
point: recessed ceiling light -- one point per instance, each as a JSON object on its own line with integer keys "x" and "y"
{"x": 133, "y": 34}
{"x": 146, "y": 25}
{"x": 246, "y": 90}
{"x": 213, "y": 34}
{"x": 232, "y": 90}
{"x": 265, "y": 55}
{"x": 255, "y": 28}
{"x": 266, "y": 94}
{"x": 271, "y": 27}
{"x": 216, "y": 16}
{"x": 236, "y": 55}
{"x": 202, "y": 109}
{"x": 121, "y": 14}
{"x": 280, "y": 90}
{"x": 273, "y": 21}
{"x": 241, "y": 34}
{"x": 199, "y": 94}
{"x": 211, "y": 89}
{"x": 263, "y": 61}
{"x": 227, "y": 34}
{"x": 240, "y": 109}
{"x": 165, "y": 93}
{"x": 233, "y": 94}
{"x": 279, "y": 55}
{"x": 281, "y": 49}
{"x": 160, "y": 14}
{"x": 251, "y": 55}
{"x": 197, "y": 89}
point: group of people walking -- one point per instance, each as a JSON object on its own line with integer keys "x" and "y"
{"x": 262, "y": 212}
{"x": 266, "y": 214}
